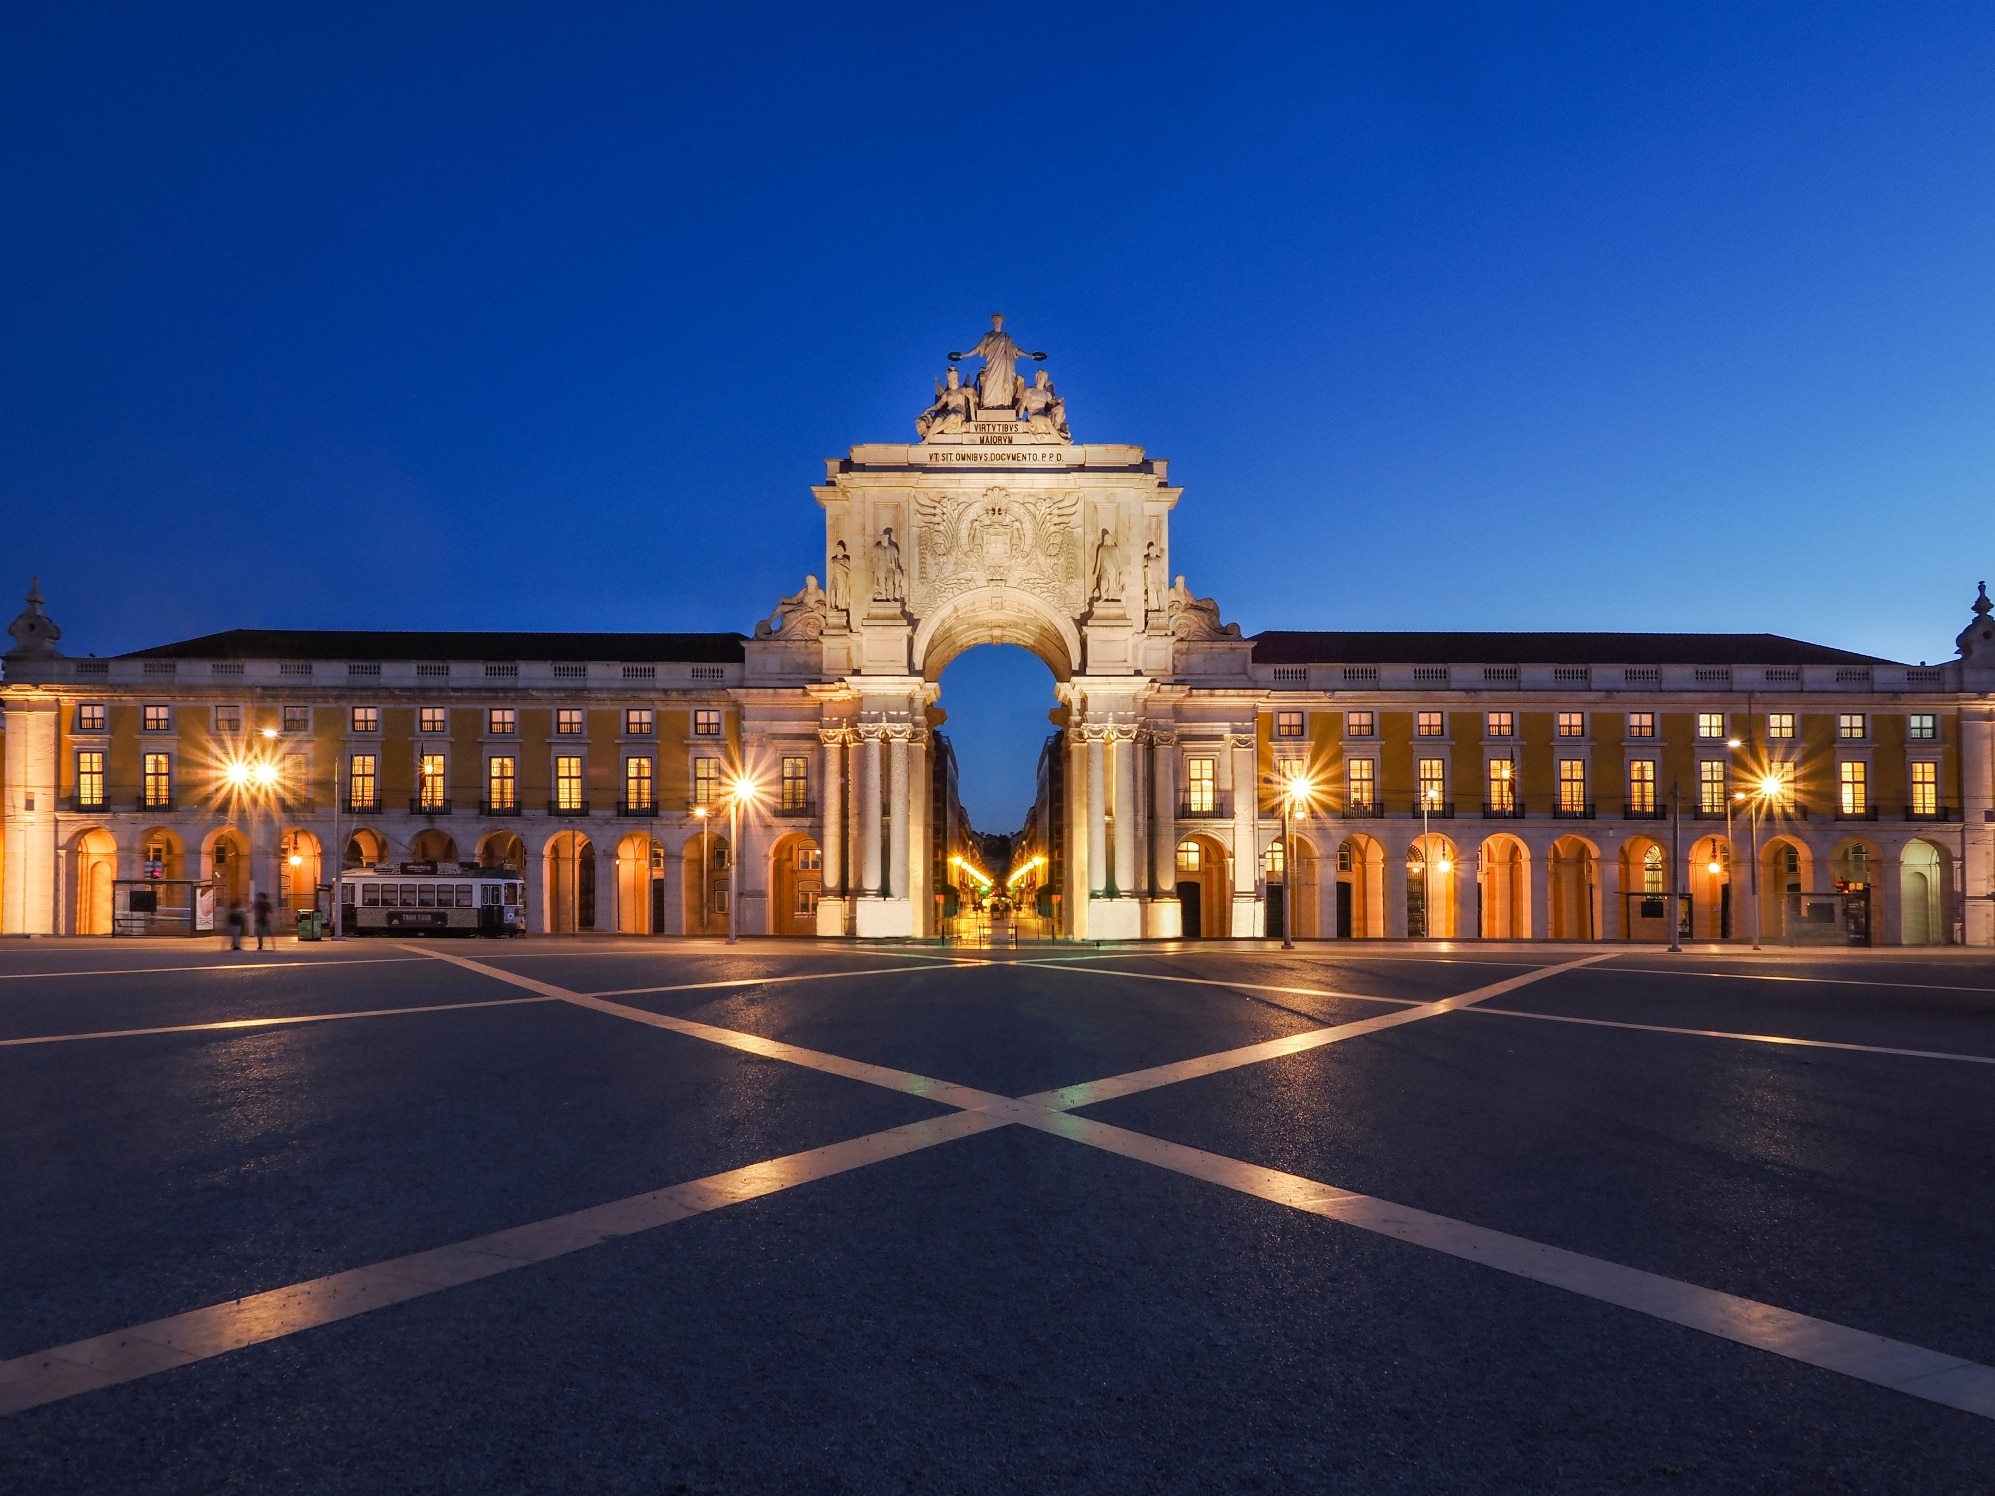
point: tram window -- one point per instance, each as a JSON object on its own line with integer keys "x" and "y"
{"x": 488, "y": 893}
{"x": 512, "y": 893}
{"x": 426, "y": 896}
{"x": 370, "y": 896}
{"x": 464, "y": 896}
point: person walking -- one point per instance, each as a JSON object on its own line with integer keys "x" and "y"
{"x": 263, "y": 920}
{"x": 235, "y": 925}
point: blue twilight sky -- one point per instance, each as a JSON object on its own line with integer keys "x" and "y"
{"x": 1642, "y": 317}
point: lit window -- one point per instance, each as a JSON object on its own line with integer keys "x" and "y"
{"x": 1273, "y": 862}
{"x": 432, "y": 719}
{"x": 1572, "y": 786}
{"x": 1641, "y": 724}
{"x": 90, "y": 781}
{"x": 1502, "y": 784}
{"x": 796, "y": 784}
{"x": 1359, "y": 724}
{"x": 1782, "y": 792}
{"x": 1433, "y": 783}
{"x": 1572, "y": 724}
{"x": 1501, "y": 724}
{"x": 502, "y": 784}
{"x": 1188, "y": 857}
{"x": 158, "y": 719}
{"x": 502, "y": 722}
{"x": 1642, "y": 786}
{"x": 1201, "y": 788}
{"x": 1923, "y": 728}
{"x": 158, "y": 781}
{"x": 568, "y": 722}
{"x": 1780, "y": 724}
{"x": 706, "y": 723}
{"x": 1925, "y": 789}
{"x": 90, "y": 717}
{"x": 1364, "y": 783}
{"x": 364, "y": 719}
{"x": 706, "y": 781}
{"x": 295, "y": 774}
{"x": 228, "y": 719}
{"x": 1428, "y": 725}
{"x": 1854, "y": 776}
{"x": 1850, "y": 725}
{"x": 429, "y": 781}
{"x": 1710, "y": 725}
{"x": 810, "y": 859}
{"x": 361, "y": 782}
{"x": 637, "y": 783}
{"x": 1288, "y": 724}
{"x": 637, "y": 722}
{"x": 1652, "y": 870}
{"x": 297, "y": 719}
{"x": 1712, "y": 792}
{"x": 568, "y": 782}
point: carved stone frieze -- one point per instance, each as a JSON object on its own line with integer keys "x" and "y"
{"x": 1000, "y": 538}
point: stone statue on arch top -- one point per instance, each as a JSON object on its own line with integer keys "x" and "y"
{"x": 998, "y": 383}
{"x": 1042, "y": 406}
{"x": 954, "y": 405}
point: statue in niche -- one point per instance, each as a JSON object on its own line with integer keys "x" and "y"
{"x": 1153, "y": 578}
{"x": 1109, "y": 568}
{"x": 798, "y": 616}
{"x": 889, "y": 580}
{"x": 1195, "y": 618}
{"x": 997, "y": 382}
{"x": 1042, "y": 406}
{"x": 841, "y": 581}
{"x": 955, "y": 405}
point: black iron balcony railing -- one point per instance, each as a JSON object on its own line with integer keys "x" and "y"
{"x": 1868, "y": 813}
{"x": 1434, "y": 810}
{"x": 1577, "y": 810}
{"x": 498, "y": 807}
{"x": 1635, "y": 810}
{"x": 797, "y": 809}
{"x": 156, "y": 802}
{"x": 1214, "y": 807}
{"x": 638, "y": 808}
{"x": 575, "y": 808}
{"x": 1363, "y": 810}
{"x": 371, "y": 806}
{"x": 1513, "y": 811}
{"x": 1937, "y": 813}
{"x": 82, "y": 804}
{"x": 421, "y": 805}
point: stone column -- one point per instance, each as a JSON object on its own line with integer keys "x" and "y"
{"x": 869, "y": 812}
{"x": 1246, "y": 849}
{"x": 1538, "y": 920}
{"x": 1126, "y": 814}
{"x": 29, "y": 817}
{"x": 1079, "y": 873}
{"x": 832, "y": 796}
{"x": 920, "y": 875}
{"x": 1139, "y": 771}
{"x": 897, "y": 816}
{"x": 1977, "y": 801}
{"x": 1164, "y": 811}
{"x": 1099, "y": 872}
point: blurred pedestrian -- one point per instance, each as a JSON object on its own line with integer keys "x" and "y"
{"x": 235, "y": 925}
{"x": 263, "y": 920}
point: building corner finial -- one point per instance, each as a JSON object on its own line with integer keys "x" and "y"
{"x": 34, "y": 632}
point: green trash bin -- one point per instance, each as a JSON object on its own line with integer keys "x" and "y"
{"x": 311, "y": 925}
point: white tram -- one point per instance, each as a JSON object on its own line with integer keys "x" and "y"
{"x": 433, "y": 898}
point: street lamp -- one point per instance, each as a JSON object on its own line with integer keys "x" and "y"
{"x": 1295, "y": 791}
{"x": 742, "y": 788}
{"x": 706, "y": 871}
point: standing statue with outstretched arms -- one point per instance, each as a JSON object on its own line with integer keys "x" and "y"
{"x": 997, "y": 381}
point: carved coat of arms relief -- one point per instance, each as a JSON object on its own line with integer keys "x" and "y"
{"x": 998, "y": 538}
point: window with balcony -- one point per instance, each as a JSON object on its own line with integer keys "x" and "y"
{"x": 90, "y": 780}
{"x": 1572, "y": 724}
{"x": 568, "y": 782}
{"x": 1201, "y": 785}
{"x": 1360, "y": 725}
{"x": 568, "y": 722}
{"x": 706, "y": 722}
{"x": 90, "y": 717}
{"x": 502, "y": 784}
{"x": 795, "y": 784}
{"x": 706, "y": 781}
{"x": 1713, "y": 792}
{"x": 638, "y": 722}
{"x": 1851, "y": 725}
{"x": 1642, "y": 787}
{"x": 1572, "y": 786}
{"x": 430, "y": 790}
{"x": 1502, "y": 785}
{"x": 1853, "y": 777}
{"x": 364, "y": 719}
{"x": 637, "y": 784}
{"x": 1429, "y": 724}
{"x": 294, "y": 779}
{"x": 1780, "y": 725}
{"x": 1922, "y": 727}
{"x": 228, "y": 719}
{"x": 502, "y": 722}
{"x": 1433, "y": 783}
{"x": 432, "y": 720}
{"x": 1288, "y": 724}
{"x": 1925, "y": 789}
{"x": 297, "y": 719}
{"x": 1641, "y": 724}
{"x": 157, "y": 781}
{"x": 1710, "y": 726}
{"x": 1363, "y": 778}
{"x": 1499, "y": 724}
{"x": 362, "y": 783}
{"x": 158, "y": 719}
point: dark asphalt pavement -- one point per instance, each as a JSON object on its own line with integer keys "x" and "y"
{"x": 1009, "y": 1311}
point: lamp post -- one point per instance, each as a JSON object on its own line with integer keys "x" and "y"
{"x": 338, "y": 852}
{"x": 706, "y": 872}
{"x": 743, "y": 788}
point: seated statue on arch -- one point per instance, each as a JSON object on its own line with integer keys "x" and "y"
{"x": 1043, "y": 408}
{"x": 955, "y": 406}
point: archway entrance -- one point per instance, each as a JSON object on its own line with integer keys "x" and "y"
{"x": 1431, "y": 867}
{"x": 1361, "y": 889}
{"x": 365, "y": 848}
{"x": 1503, "y": 879}
{"x": 1203, "y": 888}
{"x": 432, "y": 845}
{"x": 640, "y": 896}
{"x": 796, "y": 869}
{"x": 705, "y": 863}
{"x": 570, "y": 881}
{"x": 297, "y": 873}
{"x": 96, "y": 871}
{"x": 1572, "y": 888}
{"x": 1921, "y": 895}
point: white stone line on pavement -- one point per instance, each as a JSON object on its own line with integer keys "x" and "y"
{"x": 1661, "y": 1028}
{"x": 223, "y": 1024}
{"x": 182, "y": 1339}
{"x": 140, "y": 971}
{"x": 1762, "y": 976}
{"x": 1089, "y": 1092}
{"x": 802, "y": 976}
{"x": 905, "y": 1081}
{"x": 1155, "y": 976}
{"x": 1932, "y": 1375}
